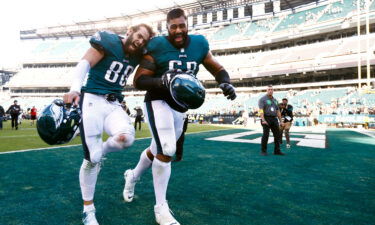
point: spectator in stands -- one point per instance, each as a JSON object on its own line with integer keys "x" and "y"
{"x": 125, "y": 107}
{"x": 286, "y": 111}
{"x": 33, "y": 113}
{"x": 138, "y": 117}
{"x": 269, "y": 112}
{"x": 2, "y": 114}
{"x": 14, "y": 111}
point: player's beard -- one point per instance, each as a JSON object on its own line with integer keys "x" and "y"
{"x": 130, "y": 47}
{"x": 172, "y": 39}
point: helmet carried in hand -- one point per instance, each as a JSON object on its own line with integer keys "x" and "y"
{"x": 57, "y": 123}
{"x": 187, "y": 91}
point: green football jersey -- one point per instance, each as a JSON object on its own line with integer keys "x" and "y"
{"x": 169, "y": 57}
{"x": 110, "y": 74}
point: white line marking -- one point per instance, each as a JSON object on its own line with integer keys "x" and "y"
{"x": 309, "y": 140}
{"x": 67, "y": 146}
{"x": 365, "y": 132}
{"x": 14, "y": 136}
{"x": 38, "y": 149}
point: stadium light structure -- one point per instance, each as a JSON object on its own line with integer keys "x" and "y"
{"x": 368, "y": 52}
{"x": 359, "y": 43}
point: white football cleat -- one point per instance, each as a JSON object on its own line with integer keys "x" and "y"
{"x": 163, "y": 215}
{"x": 88, "y": 218}
{"x": 130, "y": 182}
{"x": 287, "y": 145}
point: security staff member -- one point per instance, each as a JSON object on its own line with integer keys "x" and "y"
{"x": 2, "y": 114}
{"x": 138, "y": 117}
{"x": 287, "y": 117}
{"x": 269, "y": 111}
{"x": 14, "y": 111}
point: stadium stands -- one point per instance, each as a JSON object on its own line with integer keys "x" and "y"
{"x": 261, "y": 26}
{"x": 64, "y": 50}
{"x": 227, "y": 32}
{"x": 287, "y": 60}
{"x": 339, "y": 9}
{"x": 42, "y": 77}
{"x": 50, "y": 62}
{"x": 295, "y": 19}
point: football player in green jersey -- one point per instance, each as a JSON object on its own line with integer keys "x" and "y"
{"x": 107, "y": 63}
{"x": 177, "y": 51}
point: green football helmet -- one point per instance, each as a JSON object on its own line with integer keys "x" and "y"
{"x": 57, "y": 123}
{"x": 187, "y": 91}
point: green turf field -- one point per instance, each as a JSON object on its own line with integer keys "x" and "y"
{"x": 218, "y": 182}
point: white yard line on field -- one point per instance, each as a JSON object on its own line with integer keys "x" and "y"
{"x": 15, "y": 136}
{"x": 68, "y": 146}
{"x": 365, "y": 132}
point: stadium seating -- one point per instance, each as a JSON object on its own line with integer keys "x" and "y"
{"x": 261, "y": 26}
{"x": 246, "y": 65}
{"x": 42, "y": 77}
{"x": 57, "y": 50}
{"x": 227, "y": 32}
{"x": 240, "y": 66}
{"x": 339, "y": 9}
{"x": 296, "y": 19}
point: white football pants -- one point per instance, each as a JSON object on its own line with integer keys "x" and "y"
{"x": 166, "y": 126}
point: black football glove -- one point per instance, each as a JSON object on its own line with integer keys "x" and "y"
{"x": 228, "y": 91}
{"x": 167, "y": 77}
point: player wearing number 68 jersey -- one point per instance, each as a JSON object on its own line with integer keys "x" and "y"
{"x": 167, "y": 57}
{"x": 107, "y": 63}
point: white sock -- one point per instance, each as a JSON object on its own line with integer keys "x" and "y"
{"x": 88, "y": 208}
{"x": 88, "y": 175}
{"x": 161, "y": 171}
{"x": 143, "y": 164}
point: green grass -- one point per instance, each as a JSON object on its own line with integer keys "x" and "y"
{"x": 26, "y": 137}
{"x": 217, "y": 183}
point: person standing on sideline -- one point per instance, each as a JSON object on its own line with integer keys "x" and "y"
{"x": 125, "y": 107}
{"x": 287, "y": 117}
{"x": 33, "y": 113}
{"x": 2, "y": 114}
{"x": 269, "y": 112}
{"x": 14, "y": 111}
{"x": 138, "y": 117}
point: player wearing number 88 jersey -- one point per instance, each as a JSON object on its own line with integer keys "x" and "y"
{"x": 107, "y": 64}
{"x": 109, "y": 75}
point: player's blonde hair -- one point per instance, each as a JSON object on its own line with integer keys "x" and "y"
{"x": 149, "y": 29}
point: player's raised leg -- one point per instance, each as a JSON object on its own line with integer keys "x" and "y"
{"x": 120, "y": 130}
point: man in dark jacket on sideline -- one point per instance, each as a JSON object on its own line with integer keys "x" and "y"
{"x": 14, "y": 111}
{"x": 2, "y": 114}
